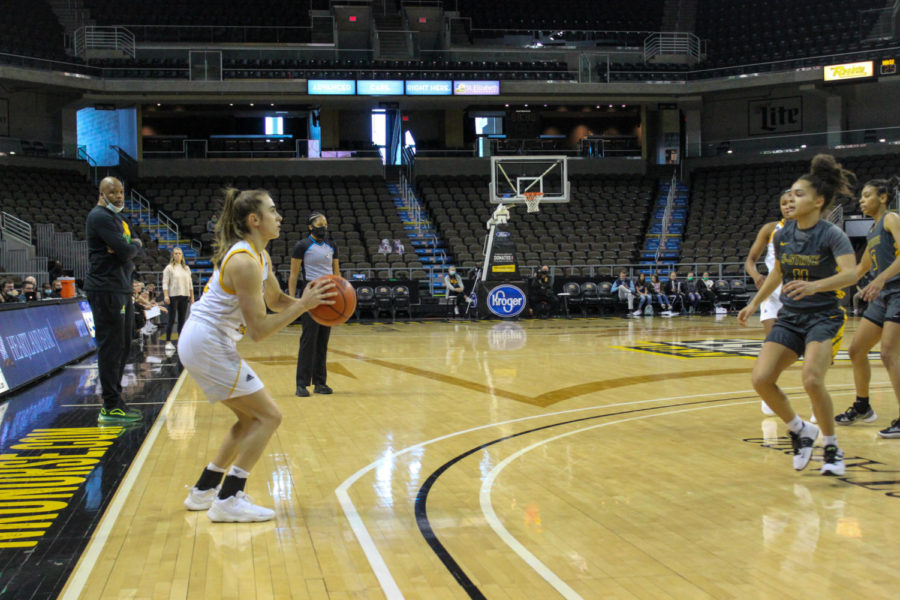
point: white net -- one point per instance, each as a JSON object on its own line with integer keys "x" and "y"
{"x": 533, "y": 202}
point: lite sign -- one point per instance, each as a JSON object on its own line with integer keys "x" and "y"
{"x": 857, "y": 70}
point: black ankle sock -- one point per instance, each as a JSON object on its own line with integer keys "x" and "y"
{"x": 208, "y": 480}
{"x": 861, "y": 403}
{"x": 231, "y": 486}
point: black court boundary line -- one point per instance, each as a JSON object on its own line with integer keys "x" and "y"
{"x": 421, "y": 508}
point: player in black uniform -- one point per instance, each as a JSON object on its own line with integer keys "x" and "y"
{"x": 881, "y": 321}
{"x": 814, "y": 261}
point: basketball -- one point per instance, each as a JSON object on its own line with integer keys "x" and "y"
{"x": 344, "y": 305}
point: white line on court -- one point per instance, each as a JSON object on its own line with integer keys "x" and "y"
{"x": 376, "y": 561}
{"x": 488, "y": 508}
{"x": 89, "y": 557}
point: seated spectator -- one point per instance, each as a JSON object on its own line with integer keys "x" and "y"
{"x": 657, "y": 290}
{"x": 55, "y": 289}
{"x": 641, "y": 289}
{"x": 399, "y": 248}
{"x": 211, "y": 224}
{"x": 454, "y": 285}
{"x": 384, "y": 247}
{"x": 693, "y": 296}
{"x": 675, "y": 291}
{"x": 706, "y": 288}
{"x": 10, "y": 293}
{"x": 625, "y": 288}
{"x": 142, "y": 303}
{"x": 542, "y": 297}
{"x": 29, "y": 291}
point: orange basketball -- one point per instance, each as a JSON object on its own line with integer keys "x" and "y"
{"x": 344, "y": 305}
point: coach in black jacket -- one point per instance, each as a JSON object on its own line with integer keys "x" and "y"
{"x": 108, "y": 285}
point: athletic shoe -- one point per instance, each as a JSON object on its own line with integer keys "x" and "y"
{"x": 765, "y": 409}
{"x": 852, "y": 415}
{"x": 200, "y": 499}
{"x": 238, "y": 509}
{"x": 302, "y": 391}
{"x": 636, "y": 313}
{"x": 893, "y": 431}
{"x": 834, "y": 461}
{"x": 803, "y": 445}
{"x": 321, "y": 388}
{"x": 119, "y": 414}
{"x": 170, "y": 347}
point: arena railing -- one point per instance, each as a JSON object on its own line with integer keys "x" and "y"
{"x": 793, "y": 143}
{"x": 105, "y": 39}
{"x": 218, "y": 34}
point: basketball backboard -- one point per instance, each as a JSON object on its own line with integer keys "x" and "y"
{"x": 512, "y": 177}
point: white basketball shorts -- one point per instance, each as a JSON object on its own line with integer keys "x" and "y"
{"x": 770, "y": 306}
{"x": 211, "y": 358}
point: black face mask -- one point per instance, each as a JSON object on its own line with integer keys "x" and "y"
{"x": 320, "y": 232}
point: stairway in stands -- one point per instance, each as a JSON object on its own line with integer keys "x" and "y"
{"x": 672, "y": 249}
{"x": 422, "y": 237}
{"x": 139, "y": 210}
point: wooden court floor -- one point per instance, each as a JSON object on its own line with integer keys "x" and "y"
{"x": 583, "y": 458}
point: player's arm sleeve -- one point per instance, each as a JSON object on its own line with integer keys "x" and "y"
{"x": 840, "y": 243}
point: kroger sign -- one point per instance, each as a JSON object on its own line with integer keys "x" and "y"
{"x": 506, "y": 301}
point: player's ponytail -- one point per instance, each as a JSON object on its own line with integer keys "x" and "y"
{"x": 885, "y": 187}
{"x": 232, "y": 225}
{"x": 829, "y": 179}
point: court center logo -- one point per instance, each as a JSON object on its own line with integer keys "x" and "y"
{"x": 506, "y": 301}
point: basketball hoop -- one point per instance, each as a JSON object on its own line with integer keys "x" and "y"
{"x": 533, "y": 201}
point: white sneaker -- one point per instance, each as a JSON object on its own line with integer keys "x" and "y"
{"x": 803, "y": 444}
{"x": 170, "y": 347}
{"x": 200, "y": 499}
{"x": 238, "y": 509}
{"x": 666, "y": 313}
{"x": 765, "y": 409}
{"x": 833, "y": 463}
{"x": 636, "y": 313}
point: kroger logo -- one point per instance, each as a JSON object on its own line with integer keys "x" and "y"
{"x": 506, "y": 301}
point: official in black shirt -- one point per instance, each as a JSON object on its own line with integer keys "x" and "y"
{"x": 108, "y": 286}
{"x": 313, "y": 257}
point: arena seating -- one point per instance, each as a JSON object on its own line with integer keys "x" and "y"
{"x": 64, "y": 199}
{"x": 360, "y": 212}
{"x": 31, "y": 29}
{"x": 173, "y": 20}
{"x": 757, "y": 31}
{"x": 729, "y": 204}
{"x": 599, "y": 15}
{"x": 604, "y": 222}
{"x": 47, "y": 196}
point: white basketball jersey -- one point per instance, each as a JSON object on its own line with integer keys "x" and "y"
{"x": 770, "y": 248}
{"x": 219, "y": 306}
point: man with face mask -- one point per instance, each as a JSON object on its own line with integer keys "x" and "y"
{"x": 111, "y": 252}
{"x": 542, "y": 297}
{"x": 454, "y": 285}
{"x": 315, "y": 255}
